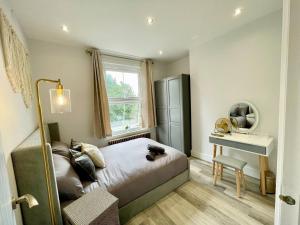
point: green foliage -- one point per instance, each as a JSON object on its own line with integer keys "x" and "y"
{"x": 120, "y": 112}
{"x": 118, "y": 90}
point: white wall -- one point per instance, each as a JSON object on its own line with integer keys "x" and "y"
{"x": 179, "y": 66}
{"x": 73, "y": 66}
{"x": 241, "y": 65}
{"x": 159, "y": 70}
{"x": 16, "y": 122}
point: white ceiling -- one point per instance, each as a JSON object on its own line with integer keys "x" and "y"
{"x": 120, "y": 25}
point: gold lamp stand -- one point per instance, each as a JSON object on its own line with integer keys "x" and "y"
{"x": 62, "y": 100}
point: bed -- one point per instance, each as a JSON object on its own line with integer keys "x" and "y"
{"x": 136, "y": 182}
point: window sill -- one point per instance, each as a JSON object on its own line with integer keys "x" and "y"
{"x": 128, "y": 133}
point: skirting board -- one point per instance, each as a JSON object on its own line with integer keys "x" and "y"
{"x": 133, "y": 208}
{"x": 252, "y": 172}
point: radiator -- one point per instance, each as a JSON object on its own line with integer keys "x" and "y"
{"x": 119, "y": 140}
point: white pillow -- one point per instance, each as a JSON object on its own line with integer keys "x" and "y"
{"x": 94, "y": 153}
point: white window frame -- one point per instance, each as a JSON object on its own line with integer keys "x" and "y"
{"x": 108, "y": 66}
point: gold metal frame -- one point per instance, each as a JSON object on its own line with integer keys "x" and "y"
{"x": 44, "y": 146}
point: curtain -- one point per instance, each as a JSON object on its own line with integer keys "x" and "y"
{"x": 147, "y": 93}
{"x": 16, "y": 60}
{"x": 102, "y": 126}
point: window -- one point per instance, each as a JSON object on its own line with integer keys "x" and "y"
{"x": 122, "y": 86}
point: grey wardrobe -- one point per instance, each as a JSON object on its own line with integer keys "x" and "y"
{"x": 173, "y": 110}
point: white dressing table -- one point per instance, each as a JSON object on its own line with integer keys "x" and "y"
{"x": 254, "y": 144}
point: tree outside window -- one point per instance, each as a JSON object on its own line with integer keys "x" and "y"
{"x": 124, "y": 101}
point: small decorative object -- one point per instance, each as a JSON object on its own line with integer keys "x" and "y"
{"x": 223, "y": 126}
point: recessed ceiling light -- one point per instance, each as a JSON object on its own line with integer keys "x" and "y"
{"x": 237, "y": 11}
{"x": 160, "y": 52}
{"x": 150, "y": 20}
{"x": 65, "y": 28}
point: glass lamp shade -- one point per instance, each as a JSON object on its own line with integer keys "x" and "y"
{"x": 60, "y": 100}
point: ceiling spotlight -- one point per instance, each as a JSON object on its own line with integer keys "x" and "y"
{"x": 150, "y": 20}
{"x": 65, "y": 28}
{"x": 237, "y": 12}
{"x": 160, "y": 52}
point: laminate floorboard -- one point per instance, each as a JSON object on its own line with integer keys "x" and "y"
{"x": 199, "y": 202}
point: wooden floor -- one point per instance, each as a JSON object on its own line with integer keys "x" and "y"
{"x": 199, "y": 202}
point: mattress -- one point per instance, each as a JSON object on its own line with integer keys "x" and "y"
{"x": 128, "y": 174}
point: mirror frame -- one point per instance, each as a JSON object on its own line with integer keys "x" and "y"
{"x": 244, "y": 130}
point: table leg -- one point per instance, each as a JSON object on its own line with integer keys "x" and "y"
{"x": 238, "y": 182}
{"x": 214, "y": 155}
{"x": 263, "y": 167}
{"x": 221, "y": 170}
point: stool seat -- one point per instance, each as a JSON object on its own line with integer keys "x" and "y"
{"x": 236, "y": 164}
{"x": 230, "y": 162}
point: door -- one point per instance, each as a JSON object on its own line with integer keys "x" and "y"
{"x": 162, "y": 111}
{"x": 288, "y": 166}
{"x": 6, "y": 211}
{"x": 175, "y": 117}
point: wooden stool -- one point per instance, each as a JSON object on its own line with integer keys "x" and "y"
{"x": 236, "y": 164}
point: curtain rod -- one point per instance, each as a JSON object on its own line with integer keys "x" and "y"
{"x": 121, "y": 57}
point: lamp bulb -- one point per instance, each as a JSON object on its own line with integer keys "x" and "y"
{"x": 60, "y": 100}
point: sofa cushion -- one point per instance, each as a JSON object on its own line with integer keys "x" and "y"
{"x": 94, "y": 153}
{"x": 60, "y": 148}
{"x": 83, "y": 165}
{"x": 75, "y": 145}
{"x": 68, "y": 183}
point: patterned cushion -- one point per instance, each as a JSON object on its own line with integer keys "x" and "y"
{"x": 83, "y": 165}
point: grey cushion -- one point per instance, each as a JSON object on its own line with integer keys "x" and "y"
{"x": 241, "y": 121}
{"x": 250, "y": 119}
{"x": 230, "y": 162}
{"x": 234, "y": 110}
{"x": 75, "y": 145}
{"x": 250, "y": 110}
{"x": 60, "y": 148}
{"x": 83, "y": 165}
{"x": 243, "y": 110}
{"x": 68, "y": 183}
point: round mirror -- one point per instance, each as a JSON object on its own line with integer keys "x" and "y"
{"x": 243, "y": 117}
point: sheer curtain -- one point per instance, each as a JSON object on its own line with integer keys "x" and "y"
{"x": 102, "y": 126}
{"x": 147, "y": 94}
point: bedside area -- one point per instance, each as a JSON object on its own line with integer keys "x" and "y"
{"x": 100, "y": 207}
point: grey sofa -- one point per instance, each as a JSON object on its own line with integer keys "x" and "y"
{"x": 29, "y": 172}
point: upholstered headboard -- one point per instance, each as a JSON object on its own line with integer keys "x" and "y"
{"x": 30, "y": 177}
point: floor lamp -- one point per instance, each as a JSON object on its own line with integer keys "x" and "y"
{"x": 60, "y": 103}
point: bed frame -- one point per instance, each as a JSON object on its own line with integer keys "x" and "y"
{"x": 29, "y": 173}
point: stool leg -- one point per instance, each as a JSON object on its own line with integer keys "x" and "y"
{"x": 238, "y": 183}
{"x": 216, "y": 173}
